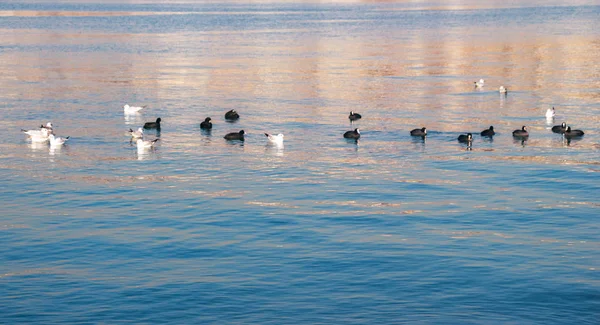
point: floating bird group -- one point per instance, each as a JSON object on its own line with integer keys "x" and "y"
{"x": 45, "y": 133}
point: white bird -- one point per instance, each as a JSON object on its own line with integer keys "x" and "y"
{"x": 502, "y": 90}
{"x": 479, "y": 84}
{"x": 57, "y": 141}
{"x": 41, "y": 133}
{"x": 39, "y": 138}
{"x": 132, "y": 109}
{"x": 550, "y": 113}
{"x": 275, "y": 139}
{"x": 143, "y": 144}
{"x": 137, "y": 134}
{"x": 47, "y": 126}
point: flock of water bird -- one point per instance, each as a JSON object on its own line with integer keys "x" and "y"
{"x": 46, "y": 132}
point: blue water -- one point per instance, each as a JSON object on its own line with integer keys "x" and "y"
{"x": 388, "y": 230}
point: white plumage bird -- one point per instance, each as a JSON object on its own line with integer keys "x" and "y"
{"x": 44, "y": 130}
{"x": 57, "y": 141}
{"x": 41, "y": 137}
{"x": 479, "y": 84}
{"x": 550, "y": 113}
{"x": 275, "y": 139}
{"x": 132, "y": 109}
{"x": 137, "y": 134}
{"x": 145, "y": 144}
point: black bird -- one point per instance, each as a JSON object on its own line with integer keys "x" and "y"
{"x": 354, "y": 116}
{"x": 419, "y": 132}
{"x": 572, "y": 133}
{"x": 352, "y": 134}
{"x": 206, "y": 125}
{"x": 153, "y": 125}
{"x": 465, "y": 138}
{"x": 232, "y": 115}
{"x": 560, "y": 128}
{"x": 235, "y": 136}
{"x": 488, "y": 132}
{"x": 522, "y": 133}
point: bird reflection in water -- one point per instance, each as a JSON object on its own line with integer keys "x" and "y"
{"x": 520, "y": 140}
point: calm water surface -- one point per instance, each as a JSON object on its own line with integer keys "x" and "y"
{"x": 322, "y": 231}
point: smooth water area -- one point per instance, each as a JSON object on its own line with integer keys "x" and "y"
{"x": 390, "y": 229}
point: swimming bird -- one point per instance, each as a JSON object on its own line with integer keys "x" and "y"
{"x": 503, "y": 90}
{"x": 572, "y": 133}
{"x": 39, "y": 138}
{"x": 419, "y": 132}
{"x": 355, "y": 134}
{"x": 41, "y": 132}
{"x": 57, "y": 141}
{"x": 521, "y": 133}
{"x": 232, "y": 115}
{"x": 550, "y": 113}
{"x": 354, "y": 116}
{"x": 132, "y": 109}
{"x": 275, "y": 139}
{"x": 559, "y": 128}
{"x": 235, "y": 136}
{"x": 465, "y": 137}
{"x": 206, "y": 125}
{"x": 479, "y": 84}
{"x": 144, "y": 144}
{"x": 47, "y": 126}
{"x": 136, "y": 134}
{"x": 153, "y": 125}
{"x": 488, "y": 132}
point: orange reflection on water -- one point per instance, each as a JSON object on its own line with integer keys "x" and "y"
{"x": 362, "y": 71}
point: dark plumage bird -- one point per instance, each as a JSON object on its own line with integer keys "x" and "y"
{"x": 465, "y": 137}
{"x": 232, "y": 115}
{"x": 153, "y": 125}
{"x": 521, "y": 133}
{"x": 354, "y": 116}
{"x": 235, "y": 136}
{"x": 206, "y": 125}
{"x": 572, "y": 133}
{"x": 560, "y": 128}
{"x": 419, "y": 132}
{"x": 352, "y": 134}
{"x": 488, "y": 132}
